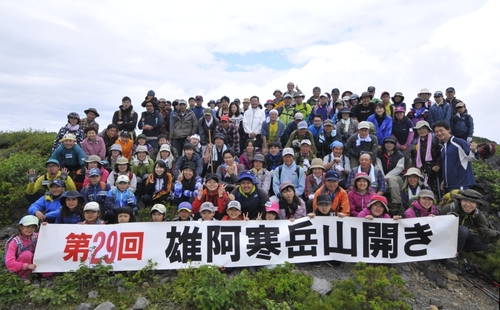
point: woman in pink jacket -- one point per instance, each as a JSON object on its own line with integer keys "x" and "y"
{"x": 361, "y": 193}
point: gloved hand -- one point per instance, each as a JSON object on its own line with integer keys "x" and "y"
{"x": 306, "y": 163}
{"x": 146, "y": 162}
{"x": 32, "y": 177}
{"x": 187, "y": 193}
{"x": 197, "y": 186}
{"x": 469, "y": 139}
{"x": 339, "y": 168}
{"x": 296, "y": 143}
{"x": 63, "y": 176}
{"x": 311, "y": 196}
{"x": 136, "y": 161}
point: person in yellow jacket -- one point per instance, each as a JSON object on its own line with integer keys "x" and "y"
{"x": 39, "y": 185}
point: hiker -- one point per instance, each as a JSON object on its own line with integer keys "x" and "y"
{"x": 39, "y": 186}
{"x": 402, "y": 130}
{"x": 456, "y": 156}
{"x": 89, "y": 121}
{"x": 72, "y": 127}
{"x": 462, "y": 124}
{"x": 150, "y": 122}
{"x": 126, "y": 118}
{"x": 465, "y": 205}
{"x": 361, "y": 143}
{"x": 93, "y": 144}
{"x": 441, "y": 110}
{"x": 289, "y": 171}
{"x": 427, "y": 153}
{"x": 252, "y": 123}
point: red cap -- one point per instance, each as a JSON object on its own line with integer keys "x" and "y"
{"x": 224, "y": 118}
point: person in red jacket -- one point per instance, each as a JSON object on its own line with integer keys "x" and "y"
{"x": 213, "y": 192}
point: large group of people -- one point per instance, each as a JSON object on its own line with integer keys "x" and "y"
{"x": 334, "y": 154}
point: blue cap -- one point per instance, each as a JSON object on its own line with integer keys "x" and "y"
{"x": 332, "y": 176}
{"x": 247, "y": 175}
{"x": 52, "y": 161}
{"x": 185, "y": 206}
{"x": 57, "y": 182}
{"x": 151, "y": 93}
{"x": 94, "y": 172}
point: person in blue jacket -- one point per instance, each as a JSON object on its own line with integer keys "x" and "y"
{"x": 462, "y": 124}
{"x": 456, "y": 155}
{"x": 70, "y": 155}
{"x": 118, "y": 197}
{"x": 382, "y": 122}
{"x": 96, "y": 190}
{"x": 47, "y": 208}
{"x": 441, "y": 110}
{"x": 72, "y": 205}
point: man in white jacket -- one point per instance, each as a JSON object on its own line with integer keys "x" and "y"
{"x": 252, "y": 121}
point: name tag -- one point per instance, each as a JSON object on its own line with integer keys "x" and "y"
{"x": 102, "y": 193}
{"x": 69, "y": 155}
{"x": 130, "y": 200}
{"x": 45, "y": 182}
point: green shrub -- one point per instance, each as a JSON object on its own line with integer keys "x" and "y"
{"x": 370, "y": 288}
{"x": 31, "y": 141}
{"x": 483, "y": 172}
{"x": 487, "y": 261}
{"x": 12, "y": 289}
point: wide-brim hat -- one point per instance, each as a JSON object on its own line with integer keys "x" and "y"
{"x": 398, "y": 94}
{"x": 346, "y": 92}
{"x": 470, "y": 194}
{"x": 317, "y": 163}
{"x": 91, "y": 110}
{"x": 421, "y": 124}
{"x": 414, "y": 171}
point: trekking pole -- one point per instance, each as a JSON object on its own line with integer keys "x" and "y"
{"x": 480, "y": 275}
{"x": 438, "y": 187}
{"x": 477, "y": 285}
{"x": 210, "y": 153}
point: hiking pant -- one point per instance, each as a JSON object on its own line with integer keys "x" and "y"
{"x": 394, "y": 186}
{"x": 469, "y": 242}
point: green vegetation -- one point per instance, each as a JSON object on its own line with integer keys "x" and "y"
{"x": 483, "y": 172}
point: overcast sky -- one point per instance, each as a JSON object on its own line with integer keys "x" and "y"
{"x": 62, "y": 56}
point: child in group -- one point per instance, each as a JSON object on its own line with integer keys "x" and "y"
{"x": 96, "y": 190}
{"x": 126, "y": 143}
{"x": 187, "y": 185}
{"x": 72, "y": 204}
{"x": 158, "y": 185}
{"x": 184, "y": 212}
{"x": 323, "y": 206}
{"x": 122, "y": 167}
{"x": 91, "y": 213}
{"x": 274, "y": 158}
{"x": 207, "y": 212}
{"x": 165, "y": 155}
{"x": 158, "y": 212}
{"x": 20, "y": 249}
{"x": 423, "y": 206}
{"x": 94, "y": 161}
{"x": 361, "y": 193}
{"x": 214, "y": 192}
{"x": 377, "y": 208}
{"x": 118, "y": 197}
{"x": 233, "y": 212}
{"x": 115, "y": 151}
{"x": 142, "y": 167}
{"x": 125, "y": 215}
{"x": 272, "y": 208}
{"x": 142, "y": 141}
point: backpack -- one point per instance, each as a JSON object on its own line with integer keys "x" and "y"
{"x": 19, "y": 243}
{"x": 486, "y": 150}
{"x": 280, "y": 169}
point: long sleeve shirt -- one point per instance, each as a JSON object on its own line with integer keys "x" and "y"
{"x": 252, "y": 120}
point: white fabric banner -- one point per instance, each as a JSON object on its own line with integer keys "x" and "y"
{"x": 174, "y": 245}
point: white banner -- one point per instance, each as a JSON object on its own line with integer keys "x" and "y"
{"x": 174, "y": 245}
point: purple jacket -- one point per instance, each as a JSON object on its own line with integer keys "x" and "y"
{"x": 359, "y": 202}
{"x": 366, "y": 212}
{"x": 301, "y": 212}
{"x": 96, "y": 147}
{"x": 410, "y": 212}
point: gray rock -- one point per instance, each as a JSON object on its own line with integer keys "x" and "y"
{"x": 93, "y": 294}
{"x": 119, "y": 283}
{"x": 405, "y": 277}
{"x": 164, "y": 280}
{"x": 406, "y": 268}
{"x": 436, "y": 302}
{"x": 84, "y": 306}
{"x": 321, "y": 286}
{"x": 435, "y": 277}
{"x": 106, "y": 306}
{"x": 140, "y": 303}
{"x": 121, "y": 290}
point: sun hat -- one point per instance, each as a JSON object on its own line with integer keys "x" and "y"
{"x": 470, "y": 194}
{"x": 68, "y": 136}
{"x": 91, "y": 206}
{"x": 317, "y": 163}
{"x": 28, "y": 220}
{"x": 378, "y": 198}
{"x": 361, "y": 175}
{"x": 158, "y": 207}
{"x": 91, "y": 110}
{"x": 426, "y": 193}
